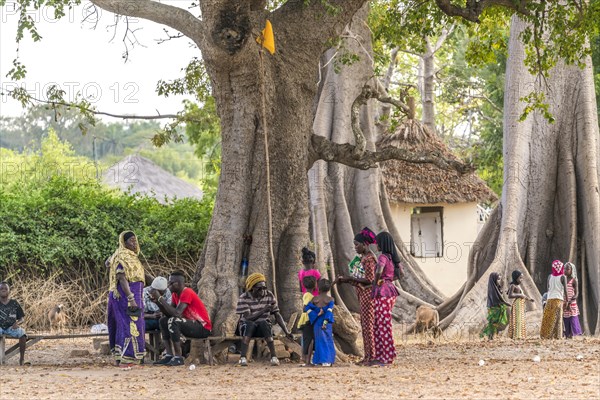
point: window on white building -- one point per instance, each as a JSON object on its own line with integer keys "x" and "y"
{"x": 426, "y": 239}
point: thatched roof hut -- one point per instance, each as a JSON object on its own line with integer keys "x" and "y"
{"x": 426, "y": 183}
{"x": 140, "y": 175}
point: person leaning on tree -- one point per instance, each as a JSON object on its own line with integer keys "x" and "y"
{"x": 255, "y": 307}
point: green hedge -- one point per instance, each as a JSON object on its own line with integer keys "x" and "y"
{"x": 61, "y": 224}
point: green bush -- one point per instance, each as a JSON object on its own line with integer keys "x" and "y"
{"x": 65, "y": 224}
{"x": 65, "y": 220}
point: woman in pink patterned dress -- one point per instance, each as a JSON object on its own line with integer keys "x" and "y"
{"x": 361, "y": 277}
{"x": 571, "y": 311}
{"x": 384, "y": 295}
{"x": 308, "y": 269}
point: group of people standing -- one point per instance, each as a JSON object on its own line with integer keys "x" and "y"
{"x": 561, "y": 313}
{"x": 372, "y": 276}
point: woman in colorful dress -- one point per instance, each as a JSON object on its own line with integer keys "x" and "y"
{"x": 497, "y": 317}
{"x": 308, "y": 269}
{"x": 126, "y": 331}
{"x": 362, "y": 275}
{"x": 553, "y": 312}
{"x": 517, "y": 328}
{"x": 384, "y": 295}
{"x": 571, "y": 311}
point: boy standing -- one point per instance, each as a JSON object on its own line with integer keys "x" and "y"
{"x": 11, "y": 317}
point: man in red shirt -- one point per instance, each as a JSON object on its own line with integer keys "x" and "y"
{"x": 187, "y": 315}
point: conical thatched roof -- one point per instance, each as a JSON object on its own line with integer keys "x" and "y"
{"x": 426, "y": 183}
{"x": 140, "y": 175}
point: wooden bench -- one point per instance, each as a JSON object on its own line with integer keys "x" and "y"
{"x": 153, "y": 344}
{"x": 217, "y": 344}
{"x": 33, "y": 339}
{"x": 214, "y": 345}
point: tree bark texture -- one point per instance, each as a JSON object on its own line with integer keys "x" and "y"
{"x": 244, "y": 77}
{"x": 345, "y": 199}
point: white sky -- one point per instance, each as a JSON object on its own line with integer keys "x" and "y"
{"x": 78, "y": 58}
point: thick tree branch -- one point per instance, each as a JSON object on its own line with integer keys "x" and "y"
{"x": 367, "y": 93}
{"x": 174, "y": 17}
{"x": 359, "y": 138}
{"x": 474, "y": 8}
{"x": 84, "y": 109}
{"x": 327, "y": 150}
{"x": 387, "y": 80}
{"x": 446, "y": 32}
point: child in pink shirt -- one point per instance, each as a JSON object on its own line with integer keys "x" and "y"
{"x": 308, "y": 263}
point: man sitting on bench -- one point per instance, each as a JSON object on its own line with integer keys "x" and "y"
{"x": 11, "y": 316}
{"x": 151, "y": 311}
{"x": 255, "y": 307}
{"x": 186, "y": 316}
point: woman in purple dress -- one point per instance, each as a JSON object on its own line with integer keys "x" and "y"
{"x": 126, "y": 331}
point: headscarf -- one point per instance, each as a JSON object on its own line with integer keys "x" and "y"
{"x": 494, "y": 297}
{"x": 133, "y": 268}
{"x": 386, "y": 243}
{"x": 253, "y": 279}
{"x": 574, "y": 273}
{"x": 558, "y": 269}
{"x": 515, "y": 275}
{"x": 366, "y": 236}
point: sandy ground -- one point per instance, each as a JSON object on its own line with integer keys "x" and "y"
{"x": 424, "y": 369}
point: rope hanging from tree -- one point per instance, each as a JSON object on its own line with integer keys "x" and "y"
{"x": 263, "y": 112}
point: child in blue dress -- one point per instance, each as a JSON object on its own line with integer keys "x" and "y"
{"x": 320, "y": 313}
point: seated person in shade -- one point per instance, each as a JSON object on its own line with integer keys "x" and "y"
{"x": 151, "y": 311}
{"x": 11, "y": 318}
{"x": 187, "y": 316}
{"x": 255, "y": 307}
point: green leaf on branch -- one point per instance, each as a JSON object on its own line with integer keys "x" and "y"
{"x": 536, "y": 101}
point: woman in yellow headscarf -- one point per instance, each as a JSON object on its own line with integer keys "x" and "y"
{"x": 126, "y": 333}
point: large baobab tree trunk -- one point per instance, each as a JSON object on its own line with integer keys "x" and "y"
{"x": 256, "y": 91}
{"x": 550, "y": 206}
{"x": 282, "y": 101}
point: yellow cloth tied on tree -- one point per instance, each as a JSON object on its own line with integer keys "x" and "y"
{"x": 129, "y": 264}
{"x": 267, "y": 38}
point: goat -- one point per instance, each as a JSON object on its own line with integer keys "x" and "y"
{"x": 57, "y": 318}
{"x": 426, "y": 319}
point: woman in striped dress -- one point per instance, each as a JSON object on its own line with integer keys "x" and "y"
{"x": 571, "y": 311}
{"x": 553, "y": 312}
{"x": 361, "y": 277}
{"x": 517, "y": 328}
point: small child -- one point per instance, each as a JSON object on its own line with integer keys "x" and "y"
{"x": 11, "y": 317}
{"x": 517, "y": 326}
{"x": 320, "y": 313}
{"x": 308, "y": 263}
{"x": 304, "y": 324}
{"x": 571, "y": 324}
